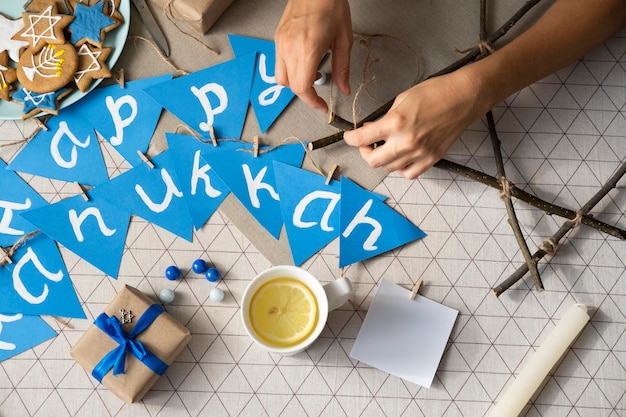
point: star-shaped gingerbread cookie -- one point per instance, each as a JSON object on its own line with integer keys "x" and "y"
{"x": 41, "y": 29}
{"x": 7, "y": 76}
{"x": 91, "y": 65}
{"x": 90, "y": 24}
{"x": 8, "y": 28}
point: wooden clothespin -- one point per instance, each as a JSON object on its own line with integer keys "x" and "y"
{"x": 331, "y": 117}
{"x": 416, "y": 288}
{"x": 256, "y": 146}
{"x": 212, "y": 133}
{"x": 40, "y": 124}
{"x": 329, "y": 177}
{"x": 121, "y": 79}
{"x": 81, "y": 191}
{"x": 145, "y": 159}
{"x": 6, "y": 259}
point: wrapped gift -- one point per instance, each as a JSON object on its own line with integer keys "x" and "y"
{"x": 130, "y": 345}
{"x": 200, "y": 15}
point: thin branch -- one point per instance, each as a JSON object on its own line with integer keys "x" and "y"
{"x": 471, "y": 56}
{"x": 506, "y": 197}
{"x": 530, "y": 199}
{"x": 563, "y": 230}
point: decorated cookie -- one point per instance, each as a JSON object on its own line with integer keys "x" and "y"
{"x": 8, "y": 28}
{"x": 7, "y": 76}
{"x": 48, "y": 70}
{"x": 91, "y": 65}
{"x": 38, "y": 6}
{"x": 90, "y": 24}
{"x": 35, "y": 103}
{"x": 112, "y": 9}
{"x": 41, "y": 29}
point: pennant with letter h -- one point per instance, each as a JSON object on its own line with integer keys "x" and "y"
{"x": 369, "y": 226}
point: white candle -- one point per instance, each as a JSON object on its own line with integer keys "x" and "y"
{"x": 515, "y": 398}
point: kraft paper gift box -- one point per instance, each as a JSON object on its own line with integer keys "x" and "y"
{"x": 200, "y": 15}
{"x": 112, "y": 345}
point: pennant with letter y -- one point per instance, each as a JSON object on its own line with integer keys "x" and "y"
{"x": 369, "y": 226}
{"x": 268, "y": 98}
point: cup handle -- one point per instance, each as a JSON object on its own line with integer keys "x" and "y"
{"x": 338, "y": 292}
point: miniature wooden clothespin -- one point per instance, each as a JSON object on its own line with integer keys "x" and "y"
{"x": 212, "y": 134}
{"x": 331, "y": 117}
{"x": 121, "y": 79}
{"x": 6, "y": 259}
{"x": 81, "y": 191}
{"x": 416, "y": 288}
{"x": 145, "y": 159}
{"x": 40, "y": 124}
{"x": 256, "y": 146}
{"x": 329, "y": 177}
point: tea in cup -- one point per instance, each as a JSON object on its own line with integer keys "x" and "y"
{"x": 284, "y": 309}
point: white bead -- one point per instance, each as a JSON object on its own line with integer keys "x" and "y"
{"x": 216, "y": 295}
{"x": 321, "y": 80}
{"x": 167, "y": 296}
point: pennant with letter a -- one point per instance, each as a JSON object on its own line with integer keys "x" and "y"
{"x": 85, "y": 228}
{"x": 369, "y": 226}
{"x": 37, "y": 282}
{"x": 125, "y": 117}
{"x": 152, "y": 194}
{"x": 213, "y": 99}
{"x": 16, "y": 197}
{"x": 310, "y": 209}
{"x": 268, "y": 98}
{"x": 251, "y": 179}
{"x": 67, "y": 151}
{"x": 202, "y": 188}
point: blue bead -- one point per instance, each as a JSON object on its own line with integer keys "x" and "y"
{"x": 172, "y": 273}
{"x": 212, "y": 274}
{"x": 167, "y": 296}
{"x": 199, "y": 266}
{"x": 216, "y": 295}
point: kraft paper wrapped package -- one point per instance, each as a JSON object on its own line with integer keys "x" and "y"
{"x": 130, "y": 345}
{"x": 200, "y": 15}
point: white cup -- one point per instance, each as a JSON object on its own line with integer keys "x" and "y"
{"x": 329, "y": 297}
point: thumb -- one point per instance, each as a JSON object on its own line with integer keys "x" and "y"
{"x": 366, "y": 135}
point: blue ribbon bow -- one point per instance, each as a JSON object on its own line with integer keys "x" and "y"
{"x": 116, "y": 359}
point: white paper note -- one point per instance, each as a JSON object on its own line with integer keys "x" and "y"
{"x": 404, "y": 337}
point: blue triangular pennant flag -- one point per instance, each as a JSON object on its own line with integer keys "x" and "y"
{"x": 19, "y": 333}
{"x": 310, "y": 209}
{"x": 152, "y": 194}
{"x": 268, "y": 98}
{"x": 251, "y": 179}
{"x": 202, "y": 188}
{"x": 85, "y": 228}
{"x": 125, "y": 117}
{"x": 37, "y": 282}
{"x": 215, "y": 98}
{"x": 15, "y": 198}
{"x": 67, "y": 151}
{"x": 368, "y": 226}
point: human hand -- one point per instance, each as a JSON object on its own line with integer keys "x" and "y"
{"x": 421, "y": 125}
{"x": 308, "y": 29}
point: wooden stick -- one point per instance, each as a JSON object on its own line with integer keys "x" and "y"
{"x": 256, "y": 146}
{"x": 506, "y": 197}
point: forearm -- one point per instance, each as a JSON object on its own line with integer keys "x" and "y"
{"x": 566, "y": 32}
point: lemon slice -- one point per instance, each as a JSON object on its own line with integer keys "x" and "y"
{"x": 283, "y": 312}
